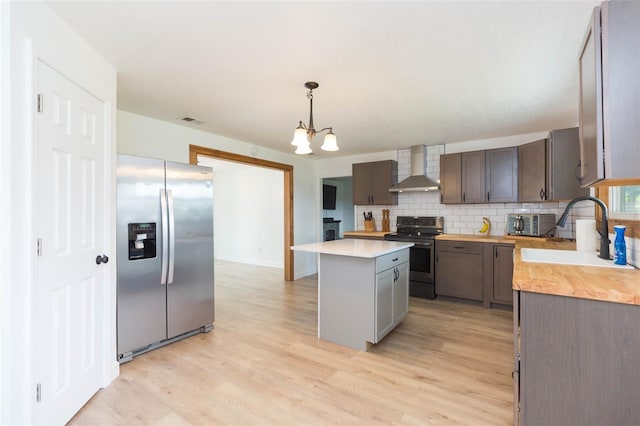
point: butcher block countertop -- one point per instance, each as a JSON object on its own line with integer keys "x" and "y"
{"x": 584, "y": 282}
{"x": 365, "y": 234}
{"x": 500, "y": 239}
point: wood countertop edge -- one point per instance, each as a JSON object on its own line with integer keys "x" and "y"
{"x": 366, "y": 233}
{"x": 583, "y": 282}
{"x": 498, "y": 239}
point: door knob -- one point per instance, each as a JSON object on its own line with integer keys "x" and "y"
{"x": 102, "y": 259}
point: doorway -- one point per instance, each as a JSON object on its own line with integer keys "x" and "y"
{"x": 337, "y": 207}
{"x": 195, "y": 151}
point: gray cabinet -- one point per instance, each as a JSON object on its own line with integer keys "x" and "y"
{"x": 479, "y": 176}
{"x": 450, "y": 179}
{"x": 371, "y": 182}
{"x": 532, "y": 171}
{"x": 501, "y": 175}
{"x": 502, "y": 277}
{"x": 576, "y": 361}
{"x": 549, "y": 168}
{"x": 609, "y": 65}
{"x": 458, "y": 269}
{"x": 391, "y": 294}
{"x": 361, "y": 299}
{"x": 473, "y": 177}
{"x": 401, "y": 293}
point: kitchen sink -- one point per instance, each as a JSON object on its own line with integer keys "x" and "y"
{"x": 568, "y": 257}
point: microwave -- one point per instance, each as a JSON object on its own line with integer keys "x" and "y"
{"x": 531, "y": 224}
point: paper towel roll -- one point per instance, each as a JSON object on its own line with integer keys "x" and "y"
{"x": 586, "y": 235}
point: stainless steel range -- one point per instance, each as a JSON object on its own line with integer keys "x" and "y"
{"x": 420, "y": 230}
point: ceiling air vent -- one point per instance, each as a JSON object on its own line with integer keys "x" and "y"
{"x": 191, "y": 120}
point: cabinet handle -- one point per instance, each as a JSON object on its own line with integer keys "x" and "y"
{"x": 372, "y": 199}
{"x": 496, "y": 250}
{"x": 395, "y": 260}
{"x": 441, "y": 198}
{"x": 542, "y": 193}
{"x": 488, "y": 196}
{"x": 464, "y": 196}
{"x": 458, "y": 247}
{"x": 577, "y": 172}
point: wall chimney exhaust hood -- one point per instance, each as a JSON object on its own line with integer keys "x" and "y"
{"x": 418, "y": 181}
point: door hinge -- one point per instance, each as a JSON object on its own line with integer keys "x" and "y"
{"x": 39, "y": 247}
{"x": 40, "y": 103}
{"x": 38, "y": 392}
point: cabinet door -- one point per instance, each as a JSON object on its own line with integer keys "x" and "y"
{"x": 384, "y": 174}
{"x": 473, "y": 177}
{"x": 401, "y": 293}
{"x": 361, "y": 183}
{"x": 579, "y": 361}
{"x": 563, "y": 165}
{"x": 459, "y": 275}
{"x": 501, "y": 172}
{"x": 384, "y": 303}
{"x": 450, "y": 175}
{"x": 503, "y": 274}
{"x": 532, "y": 171}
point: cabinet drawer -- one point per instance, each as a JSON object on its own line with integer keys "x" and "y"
{"x": 390, "y": 260}
{"x": 459, "y": 246}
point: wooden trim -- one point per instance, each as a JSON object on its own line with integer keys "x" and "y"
{"x": 633, "y": 226}
{"x": 287, "y": 169}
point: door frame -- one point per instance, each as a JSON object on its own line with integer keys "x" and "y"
{"x": 287, "y": 169}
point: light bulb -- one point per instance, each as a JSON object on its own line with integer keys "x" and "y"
{"x": 330, "y": 143}
{"x": 300, "y": 136}
{"x": 304, "y": 148}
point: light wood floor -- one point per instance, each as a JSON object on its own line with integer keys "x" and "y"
{"x": 446, "y": 363}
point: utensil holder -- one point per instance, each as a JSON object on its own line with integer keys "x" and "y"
{"x": 385, "y": 221}
{"x": 370, "y": 225}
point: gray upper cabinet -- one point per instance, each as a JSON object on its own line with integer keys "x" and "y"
{"x": 563, "y": 165}
{"x": 548, "y": 168}
{"x": 532, "y": 171}
{"x": 609, "y": 63}
{"x": 479, "y": 176}
{"x": 371, "y": 183}
{"x": 473, "y": 177}
{"x": 501, "y": 172}
{"x": 450, "y": 175}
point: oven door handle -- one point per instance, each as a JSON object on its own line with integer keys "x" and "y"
{"x": 423, "y": 245}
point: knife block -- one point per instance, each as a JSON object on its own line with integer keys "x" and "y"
{"x": 370, "y": 225}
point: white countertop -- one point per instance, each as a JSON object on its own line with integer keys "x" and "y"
{"x": 354, "y": 247}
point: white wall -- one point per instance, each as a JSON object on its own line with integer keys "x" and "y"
{"x": 147, "y": 137}
{"x": 248, "y": 212}
{"x": 31, "y": 30}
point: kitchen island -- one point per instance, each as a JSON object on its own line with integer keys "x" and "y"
{"x": 363, "y": 289}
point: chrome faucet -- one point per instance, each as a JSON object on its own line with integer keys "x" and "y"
{"x": 604, "y": 228}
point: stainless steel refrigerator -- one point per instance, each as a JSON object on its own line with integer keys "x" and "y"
{"x": 164, "y": 253}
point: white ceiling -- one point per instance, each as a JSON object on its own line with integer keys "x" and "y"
{"x": 392, "y": 74}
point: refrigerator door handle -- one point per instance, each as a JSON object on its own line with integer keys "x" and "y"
{"x": 165, "y": 235}
{"x": 172, "y": 236}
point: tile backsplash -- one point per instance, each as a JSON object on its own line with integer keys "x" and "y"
{"x": 467, "y": 218}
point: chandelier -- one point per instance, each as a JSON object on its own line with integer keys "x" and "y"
{"x": 304, "y": 134}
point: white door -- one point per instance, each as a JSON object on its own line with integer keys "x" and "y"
{"x": 70, "y": 223}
